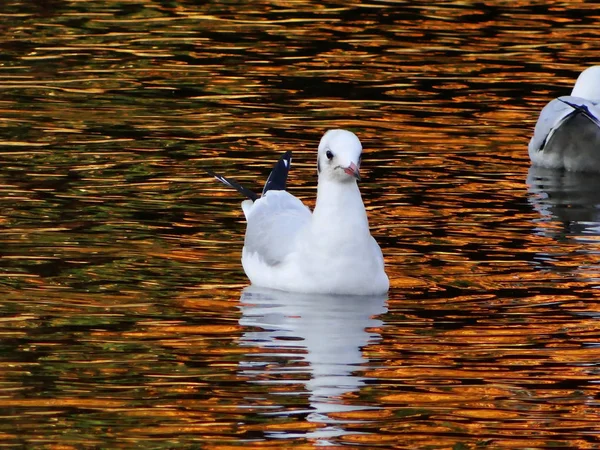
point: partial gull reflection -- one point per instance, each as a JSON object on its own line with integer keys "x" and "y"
{"x": 571, "y": 198}
{"x": 320, "y": 337}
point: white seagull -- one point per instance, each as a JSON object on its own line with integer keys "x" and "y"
{"x": 328, "y": 251}
{"x": 567, "y": 133}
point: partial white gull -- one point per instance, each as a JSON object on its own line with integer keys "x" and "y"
{"x": 567, "y": 133}
{"x": 328, "y": 251}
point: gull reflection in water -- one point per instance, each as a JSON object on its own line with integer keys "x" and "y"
{"x": 310, "y": 339}
{"x": 570, "y": 198}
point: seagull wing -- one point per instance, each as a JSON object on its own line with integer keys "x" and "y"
{"x": 234, "y": 184}
{"x": 586, "y": 107}
{"x": 274, "y": 221}
{"x": 551, "y": 118}
{"x": 556, "y": 113}
{"x": 276, "y": 180}
{"x": 278, "y": 176}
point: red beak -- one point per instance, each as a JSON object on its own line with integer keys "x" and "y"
{"x": 353, "y": 171}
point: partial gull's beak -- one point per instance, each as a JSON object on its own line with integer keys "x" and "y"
{"x": 353, "y": 171}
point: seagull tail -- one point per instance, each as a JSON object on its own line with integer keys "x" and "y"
{"x": 279, "y": 174}
{"x": 235, "y": 185}
{"x": 583, "y": 109}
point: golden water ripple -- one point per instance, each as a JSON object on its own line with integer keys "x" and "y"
{"x": 123, "y": 322}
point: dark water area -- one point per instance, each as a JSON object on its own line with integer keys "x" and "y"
{"x": 126, "y": 321}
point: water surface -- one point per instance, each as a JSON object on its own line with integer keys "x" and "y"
{"x": 125, "y": 321}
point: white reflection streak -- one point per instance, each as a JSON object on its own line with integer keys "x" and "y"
{"x": 569, "y": 208}
{"x": 572, "y": 198}
{"x": 327, "y": 332}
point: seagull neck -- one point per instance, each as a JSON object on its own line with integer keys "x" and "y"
{"x": 339, "y": 203}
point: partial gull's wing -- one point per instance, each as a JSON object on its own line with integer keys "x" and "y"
{"x": 235, "y": 185}
{"x": 587, "y": 108}
{"x": 279, "y": 174}
{"x": 274, "y": 221}
{"x": 556, "y": 113}
{"x": 276, "y": 180}
{"x": 552, "y": 116}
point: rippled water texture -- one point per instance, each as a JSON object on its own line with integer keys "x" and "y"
{"x": 125, "y": 318}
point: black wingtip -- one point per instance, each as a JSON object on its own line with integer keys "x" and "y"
{"x": 234, "y": 184}
{"x": 278, "y": 177}
{"x": 275, "y": 182}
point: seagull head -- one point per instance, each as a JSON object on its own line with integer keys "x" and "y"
{"x": 339, "y": 156}
{"x": 587, "y": 85}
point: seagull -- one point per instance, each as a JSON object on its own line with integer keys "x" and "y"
{"x": 567, "y": 133}
{"x": 328, "y": 251}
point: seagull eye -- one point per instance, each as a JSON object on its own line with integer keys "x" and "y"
{"x": 329, "y": 154}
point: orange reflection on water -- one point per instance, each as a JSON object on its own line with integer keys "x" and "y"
{"x": 122, "y": 323}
